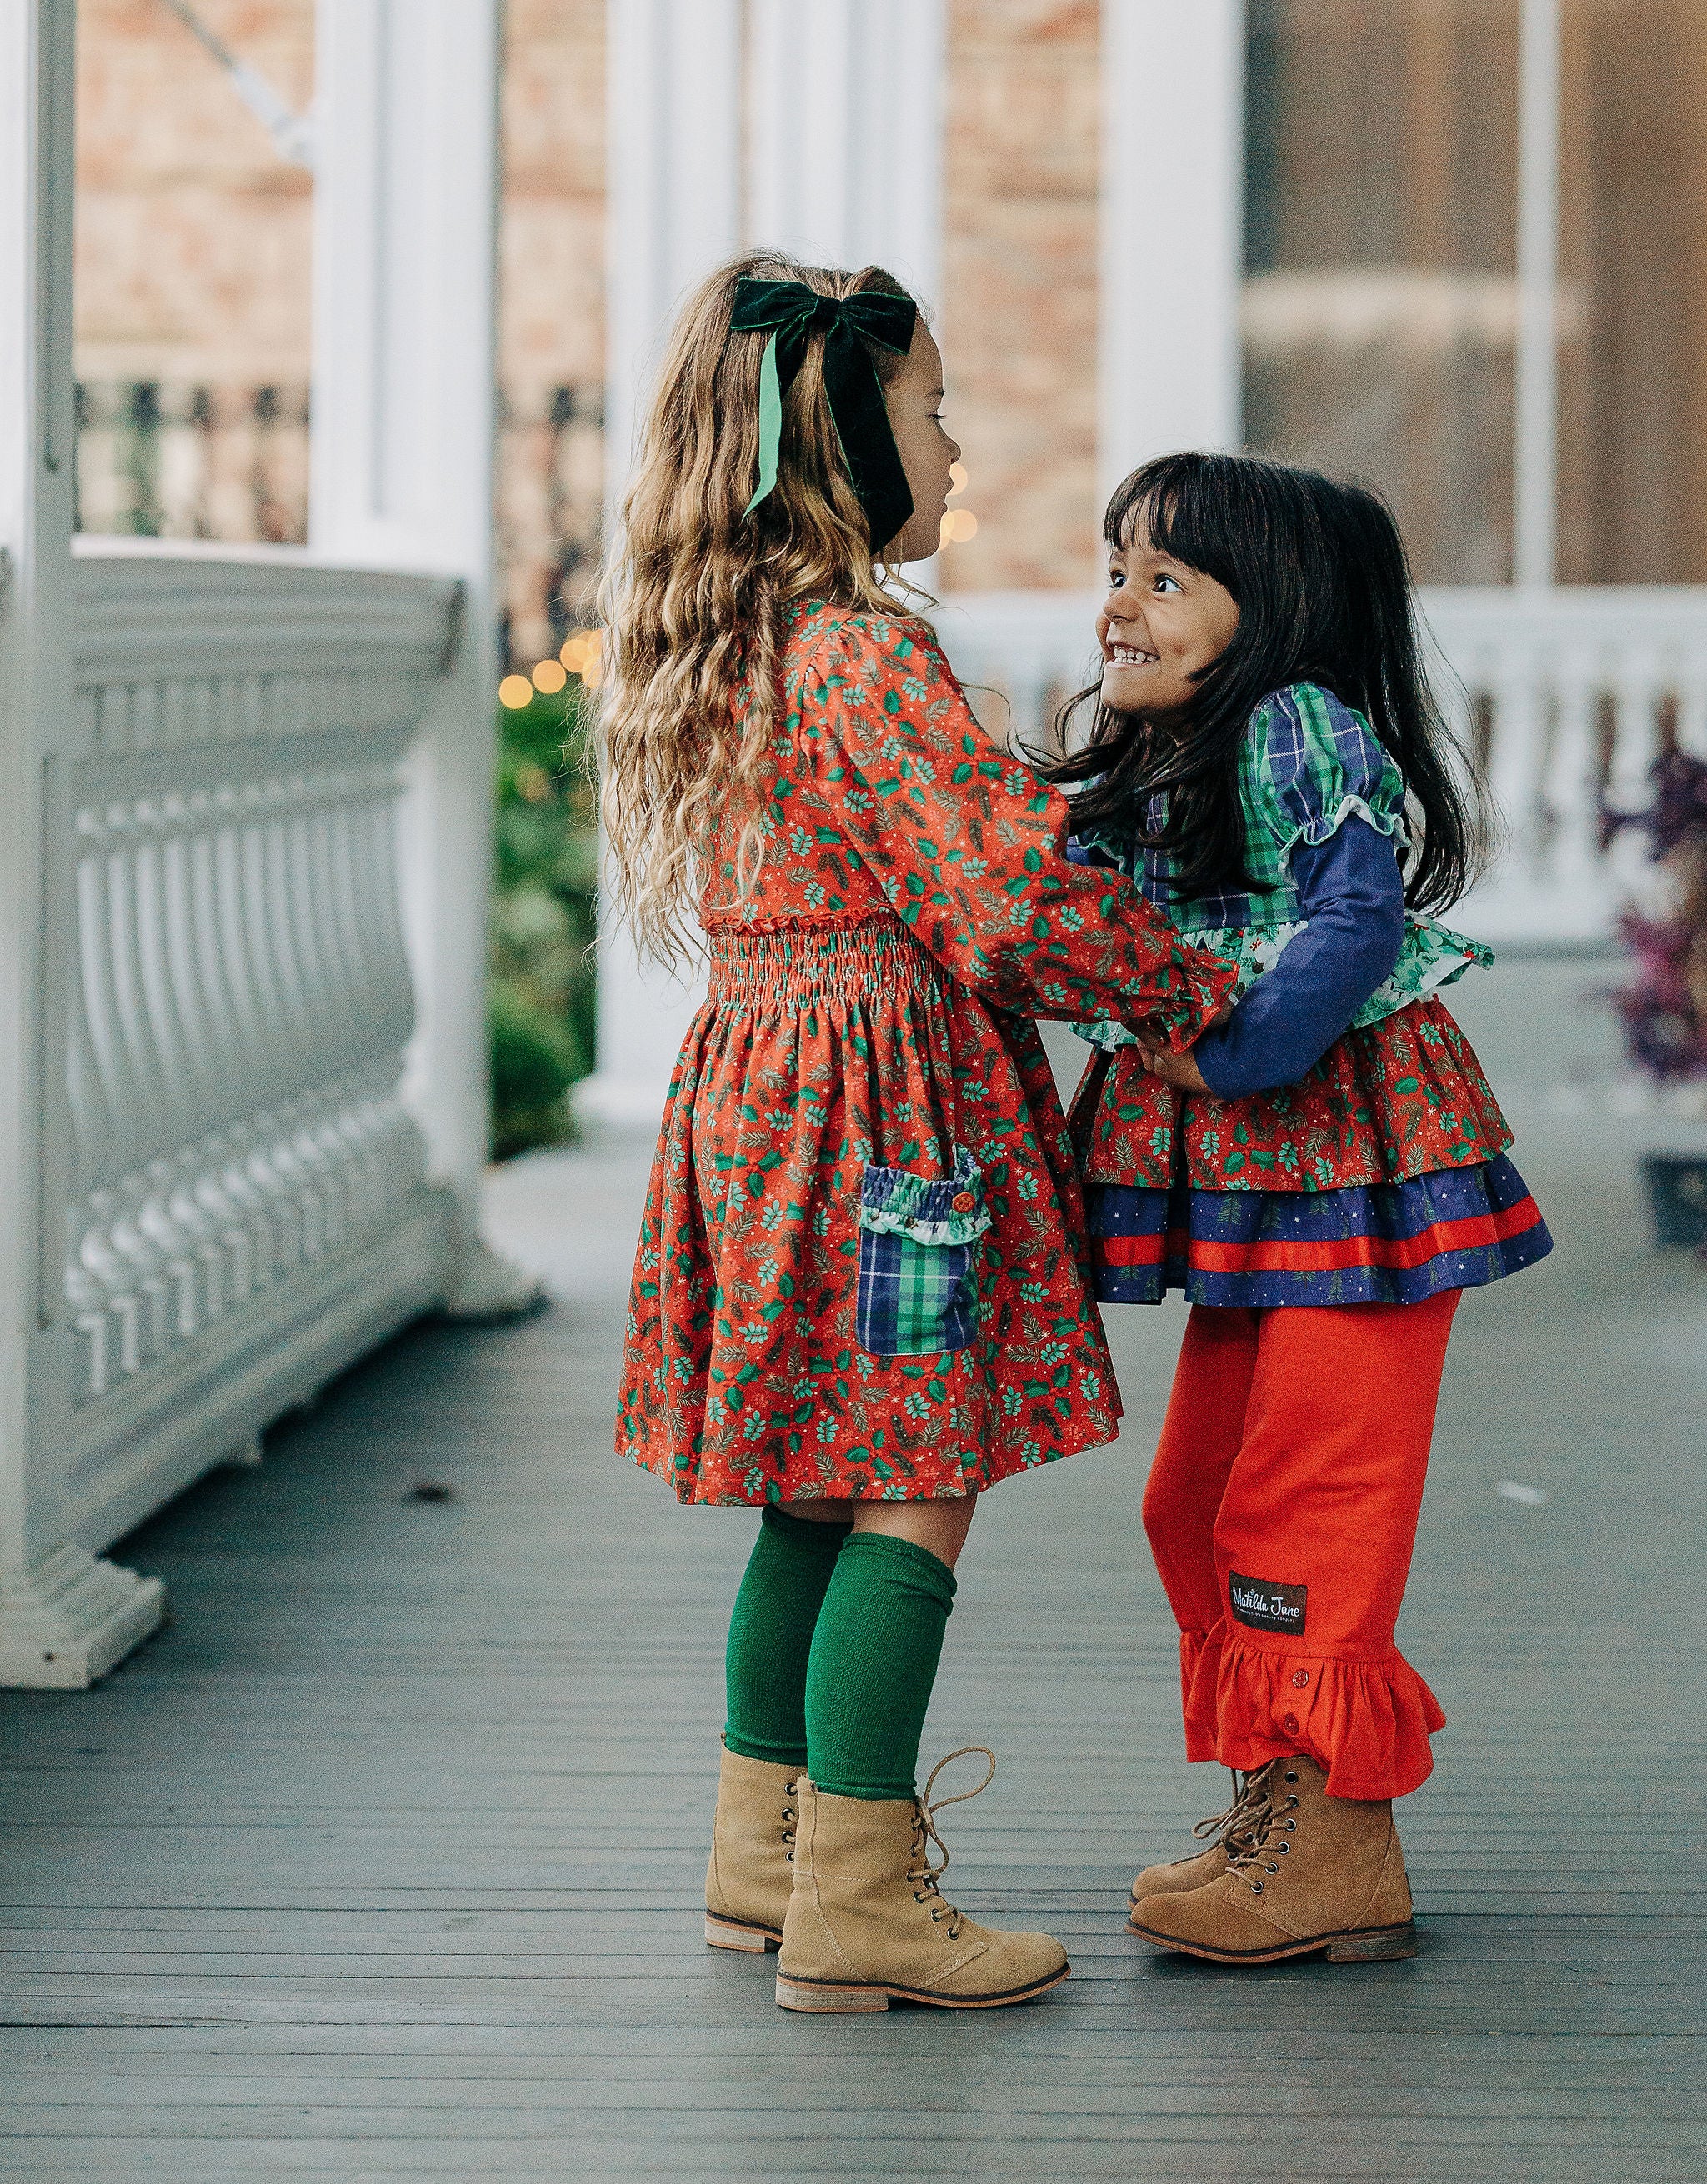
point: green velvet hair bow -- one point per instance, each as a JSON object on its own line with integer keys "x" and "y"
{"x": 790, "y": 311}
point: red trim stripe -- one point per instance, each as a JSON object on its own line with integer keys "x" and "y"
{"x": 1132, "y": 1251}
{"x": 1476, "y": 1232}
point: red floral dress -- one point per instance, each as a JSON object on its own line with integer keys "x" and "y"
{"x": 864, "y": 1269}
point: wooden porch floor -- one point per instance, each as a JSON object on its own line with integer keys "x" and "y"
{"x": 382, "y": 1860}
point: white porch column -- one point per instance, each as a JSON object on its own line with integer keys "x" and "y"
{"x": 65, "y": 1616}
{"x": 1172, "y": 239}
{"x": 845, "y": 127}
{"x": 1537, "y": 434}
{"x": 842, "y": 146}
{"x": 405, "y": 220}
{"x": 673, "y": 126}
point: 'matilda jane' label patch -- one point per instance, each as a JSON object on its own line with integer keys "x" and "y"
{"x": 1262, "y": 1606}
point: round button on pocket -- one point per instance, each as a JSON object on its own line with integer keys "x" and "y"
{"x": 962, "y": 1202}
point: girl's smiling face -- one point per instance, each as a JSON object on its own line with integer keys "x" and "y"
{"x": 1162, "y": 626}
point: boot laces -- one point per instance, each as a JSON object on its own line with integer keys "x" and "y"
{"x": 923, "y": 1874}
{"x": 1234, "y": 1825}
{"x": 1265, "y": 1834}
{"x": 788, "y": 1815}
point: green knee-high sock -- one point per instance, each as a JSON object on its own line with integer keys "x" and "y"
{"x": 771, "y": 1634}
{"x": 873, "y": 1661}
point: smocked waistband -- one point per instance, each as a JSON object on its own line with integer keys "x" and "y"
{"x": 801, "y": 964}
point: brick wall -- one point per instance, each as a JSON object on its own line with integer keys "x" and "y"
{"x": 194, "y": 240}
{"x": 194, "y": 236}
{"x": 193, "y": 271}
{"x": 193, "y": 248}
{"x": 551, "y": 318}
{"x": 1019, "y": 314}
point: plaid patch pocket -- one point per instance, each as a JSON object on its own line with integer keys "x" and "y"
{"x": 919, "y": 1260}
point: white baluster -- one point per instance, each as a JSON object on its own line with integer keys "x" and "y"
{"x": 1522, "y": 695}
{"x": 118, "y": 1247}
{"x": 282, "y": 1042}
{"x": 1630, "y": 784}
{"x": 1573, "y": 873}
{"x": 1692, "y": 700}
{"x": 228, "y": 1189}
{"x": 220, "y": 1248}
{"x": 169, "y": 1040}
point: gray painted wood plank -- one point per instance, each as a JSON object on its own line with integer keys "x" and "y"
{"x": 382, "y": 1860}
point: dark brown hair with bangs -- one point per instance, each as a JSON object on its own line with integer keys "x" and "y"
{"x": 1324, "y": 590}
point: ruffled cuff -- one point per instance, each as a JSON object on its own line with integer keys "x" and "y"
{"x": 1200, "y": 982}
{"x": 1322, "y": 827}
{"x": 1368, "y": 1723}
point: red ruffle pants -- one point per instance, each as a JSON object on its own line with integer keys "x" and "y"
{"x": 1282, "y": 1512}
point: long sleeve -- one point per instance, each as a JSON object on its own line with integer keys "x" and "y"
{"x": 970, "y": 850}
{"x": 1351, "y": 893}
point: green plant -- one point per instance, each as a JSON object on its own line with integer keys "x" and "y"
{"x": 542, "y": 1008}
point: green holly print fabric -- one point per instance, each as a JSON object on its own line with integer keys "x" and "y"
{"x": 870, "y": 1009}
{"x": 1405, "y": 1097}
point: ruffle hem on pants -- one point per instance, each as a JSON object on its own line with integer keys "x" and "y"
{"x": 1368, "y": 1723}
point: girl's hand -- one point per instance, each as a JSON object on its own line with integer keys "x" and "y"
{"x": 1179, "y": 1070}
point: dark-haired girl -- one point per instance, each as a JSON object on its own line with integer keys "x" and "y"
{"x": 1323, "y": 1176}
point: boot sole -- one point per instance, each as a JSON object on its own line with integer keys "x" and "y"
{"x": 1367, "y": 1945}
{"x": 824, "y": 1997}
{"x": 732, "y": 1933}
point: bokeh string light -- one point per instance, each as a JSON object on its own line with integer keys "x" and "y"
{"x": 583, "y": 655}
{"x": 958, "y": 524}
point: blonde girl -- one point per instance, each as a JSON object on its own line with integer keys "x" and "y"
{"x": 861, "y": 1295}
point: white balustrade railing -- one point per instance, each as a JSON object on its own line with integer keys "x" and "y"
{"x": 246, "y": 1208}
{"x": 1564, "y": 692}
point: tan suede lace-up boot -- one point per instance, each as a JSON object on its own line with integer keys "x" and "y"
{"x": 751, "y": 1873}
{"x": 868, "y": 1919}
{"x": 1234, "y": 1825}
{"x": 1315, "y": 1873}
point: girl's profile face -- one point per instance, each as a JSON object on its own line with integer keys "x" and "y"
{"x": 914, "y": 399}
{"x": 1163, "y": 624}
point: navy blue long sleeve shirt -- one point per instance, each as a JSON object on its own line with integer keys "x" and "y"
{"x": 1351, "y": 893}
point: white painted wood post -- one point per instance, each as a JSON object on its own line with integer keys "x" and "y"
{"x": 65, "y": 1616}
{"x": 1537, "y": 436}
{"x": 405, "y": 224}
{"x": 673, "y": 127}
{"x": 846, "y": 109}
{"x": 845, "y": 131}
{"x": 842, "y": 101}
{"x": 1173, "y": 123}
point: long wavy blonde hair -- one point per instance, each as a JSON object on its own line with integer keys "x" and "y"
{"x": 693, "y": 593}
